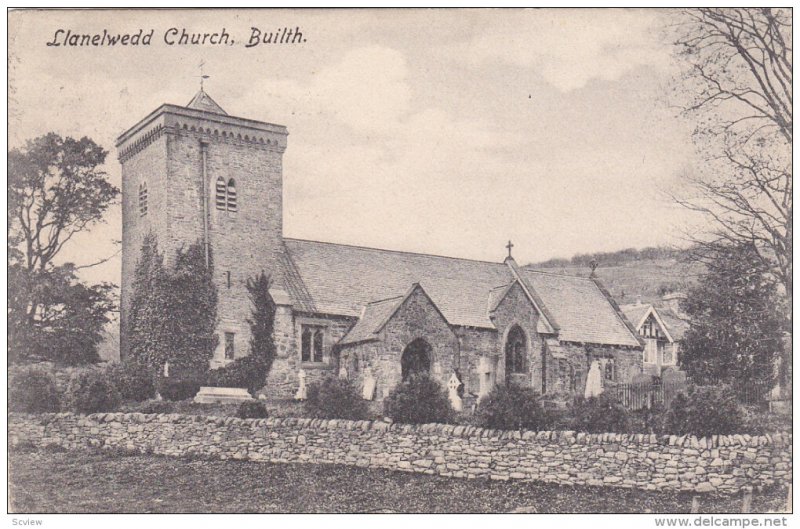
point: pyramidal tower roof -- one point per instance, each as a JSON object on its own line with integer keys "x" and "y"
{"x": 203, "y": 101}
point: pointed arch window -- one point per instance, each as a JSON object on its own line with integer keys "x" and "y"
{"x": 516, "y": 351}
{"x": 143, "y": 199}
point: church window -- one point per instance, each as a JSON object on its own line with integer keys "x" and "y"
{"x": 143, "y": 199}
{"x": 311, "y": 343}
{"x": 231, "y": 195}
{"x": 229, "y": 345}
{"x": 610, "y": 375}
{"x": 228, "y": 278}
{"x": 574, "y": 378}
{"x": 516, "y": 351}
{"x": 225, "y": 195}
{"x": 221, "y": 198}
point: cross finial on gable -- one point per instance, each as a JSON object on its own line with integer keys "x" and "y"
{"x": 509, "y": 246}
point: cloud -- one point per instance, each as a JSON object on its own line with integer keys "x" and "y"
{"x": 569, "y": 51}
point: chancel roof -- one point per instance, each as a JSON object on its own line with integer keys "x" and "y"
{"x": 368, "y": 283}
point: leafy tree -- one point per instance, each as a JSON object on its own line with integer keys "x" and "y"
{"x": 735, "y": 311}
{"x": 67, "y": 325}
{"x": 56, "y": 190}
{"x": 173, "y": 311}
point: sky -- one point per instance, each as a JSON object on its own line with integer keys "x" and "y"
{"x": 436, "y": 131}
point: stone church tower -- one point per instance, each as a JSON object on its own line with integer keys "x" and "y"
{"x": 194, "y": 173}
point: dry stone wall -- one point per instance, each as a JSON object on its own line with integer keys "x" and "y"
{"x": 724, "y": 463}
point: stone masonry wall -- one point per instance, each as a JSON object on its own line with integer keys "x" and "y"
{"x": 720, "y": 463}
{"x": 282, "y": 380}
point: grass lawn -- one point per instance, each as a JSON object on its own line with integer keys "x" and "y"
{"x": 43, "y": 481}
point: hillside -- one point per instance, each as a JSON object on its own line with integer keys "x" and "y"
{"x": 632, "y": 275}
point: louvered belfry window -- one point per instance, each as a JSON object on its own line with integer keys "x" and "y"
{"x": 226, "y": 195}
{"x": 231, "y": 195}
{"x": 143, "y": 199}
{"x": 221, "y": 200}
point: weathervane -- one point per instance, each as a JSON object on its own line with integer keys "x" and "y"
{"x": 202, "y": 75}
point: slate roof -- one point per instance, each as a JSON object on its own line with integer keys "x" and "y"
{"x": 675, "y": 326}
{"x": 372, "y": 319}
{"x": 203, "y": 101}
{"x": 342, "y": 279}
{"x": 636, "y": 313}
{"x": 348, "y": 280}
{"x": 583, "y": 311}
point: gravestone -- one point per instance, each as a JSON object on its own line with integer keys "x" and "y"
{"x": 486, "y": 372}
{"x": 368, "y": 392}
{"x": 212, "y": 395}
{"x": 452, "y": 389}
{"x": 302, "y": 389}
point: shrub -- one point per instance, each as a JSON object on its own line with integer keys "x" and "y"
{"x": 419, "y": 400}
{"x": 246, "y": 372}
{"x": 648, "y": 420}
{"x": 705, "y": 411}
{"x": 760, "y": 422}
{"x": 32, "y": 391}
{"x": 513, "y": 408}
{"x": 335, "y": 398}
{"x": 252, "y": 410}
{"x": 178, "y": 388}
{"x": 92, "y": 392}
{"x": 601, "y": 414}
{"x": 134, "y": 381}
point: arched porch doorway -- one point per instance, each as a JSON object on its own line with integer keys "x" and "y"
{"x": 516, "y": 357}
{"x": 416, "y": 359}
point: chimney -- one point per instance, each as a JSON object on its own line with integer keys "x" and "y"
{"x": 673, "y": 301}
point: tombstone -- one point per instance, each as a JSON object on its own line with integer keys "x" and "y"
{"x": 213, "y": 395}
{"x": 594, "y": 380}
{"x": 486, "y": 372}
{"x": 166, "y": 369}
{"x": 368, "y": 391}
{"x": 302, "y": 390}
{"x": 452, "y": 389}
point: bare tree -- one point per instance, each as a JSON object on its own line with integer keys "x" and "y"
{"x": 737, "y": 87}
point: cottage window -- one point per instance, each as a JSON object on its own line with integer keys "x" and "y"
{"x": 311, "y": 343}
{"x": 229, "y": 345}
{"x": 668, "y": 355}
{"x": 143, "y": 199}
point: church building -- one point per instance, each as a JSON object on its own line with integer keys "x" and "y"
{"x": 374, "y": 316}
